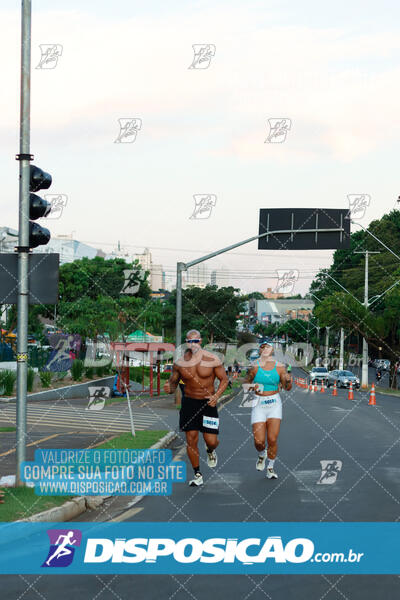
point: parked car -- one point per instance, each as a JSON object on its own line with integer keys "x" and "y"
{"x": 343, "y": 379}
{"x": 319, "y": 375}
{"x": 166, "y": 368}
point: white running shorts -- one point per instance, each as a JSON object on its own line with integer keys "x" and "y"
{"x": 267, "y": 407}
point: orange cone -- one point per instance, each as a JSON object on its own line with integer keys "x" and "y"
{"x": 310, "y": 387}
{"x": 315, "y": 386}
{"x": 351, "y": 393}
{"x": 372, "y": 398}
{"x": 322, "y": 388}
{"x": 334, "y": 393}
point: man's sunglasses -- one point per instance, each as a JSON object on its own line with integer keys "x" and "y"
{"x": 193, "y": 341}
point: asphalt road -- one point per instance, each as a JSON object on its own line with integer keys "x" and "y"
{"x": 316, "y": 427}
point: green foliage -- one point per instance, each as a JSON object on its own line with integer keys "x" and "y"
{"x": 100, "y": 371}
{"x": 30, "y": 379}
{"x": 97, "y": 277}
{"x": 45, "y": 378}
{"x": 77, "y": 369}
{"x": 211, "y": 310}
{"x": 7, "y": 381}
{"x": 89, "y": 372}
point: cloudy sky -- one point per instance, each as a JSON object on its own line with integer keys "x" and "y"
{"x": 331, "y": 68}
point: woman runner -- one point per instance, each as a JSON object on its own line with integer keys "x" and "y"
{"x": 266, "y": 414}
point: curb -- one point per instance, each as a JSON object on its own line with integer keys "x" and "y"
{"x": 75, "y": 507}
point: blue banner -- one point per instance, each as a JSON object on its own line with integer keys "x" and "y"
{"x": 98, "y": 472}
{"x": 214, "y": 548}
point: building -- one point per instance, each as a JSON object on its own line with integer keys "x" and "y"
{"x": 196, "y": 276}
{"x": 145, "y": 260}
{"x": 220, "y": 277}
{"x": 268, "y": 312}
{"x": 8, "y": 239}
{"x": 270, "y": 295}
{"x": 68, "y": 249}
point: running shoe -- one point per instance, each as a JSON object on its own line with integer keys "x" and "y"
{"x": 212, "y": 459}
{"x": 271, "y": 473}
{"x": 197, "y": 480}
{"x": 260, "y": 464}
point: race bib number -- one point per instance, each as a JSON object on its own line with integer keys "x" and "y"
{"x": 266, "y": 401}
{"x": 210, "y": 422}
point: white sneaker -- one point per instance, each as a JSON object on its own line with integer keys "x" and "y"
{"x": 212, "y": 459}
{"x": 271, "y": 473}
{"x": 197, "y": 480}
{"x": 260, "y": 464}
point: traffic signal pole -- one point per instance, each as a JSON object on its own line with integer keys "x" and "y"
{"x": 180, "y": 267}
{"x": 23, "y": 237}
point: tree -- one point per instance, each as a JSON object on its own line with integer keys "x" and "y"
{"x": 95, "y": 277}
{"x": 212, "y": 310}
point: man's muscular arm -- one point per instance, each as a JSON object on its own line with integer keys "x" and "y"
{"x": 223, "y": 384}
{"x": 172, "y": 383}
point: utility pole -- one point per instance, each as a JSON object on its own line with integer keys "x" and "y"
{"x": 180, "y": 267}
{"x": 327, "y": 346}
{"x": 341, "y": 356}
{"x": 364, "y": 372}
{"x": 23, "y": 235}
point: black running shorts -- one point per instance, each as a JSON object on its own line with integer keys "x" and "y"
{"x": 197, "y": 415}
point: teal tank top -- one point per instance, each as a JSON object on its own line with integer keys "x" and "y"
{"x": 269, "y": 379}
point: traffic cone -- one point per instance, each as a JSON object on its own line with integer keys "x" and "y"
{"x": 315, "y": 386}
{"x": 334, "y": 393}
{"x": 322, "y": 390}
{"x": 310, "y": 387}
{"x": 351, "y": 393}
{"x": 372, "y": 398}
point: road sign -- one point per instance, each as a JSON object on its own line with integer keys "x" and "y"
{"x": 42, "y": 278}
{"x": 304, "y": 228}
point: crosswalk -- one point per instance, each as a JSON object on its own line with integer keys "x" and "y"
{"x": 105, "y": 421}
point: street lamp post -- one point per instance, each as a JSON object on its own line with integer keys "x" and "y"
{"x": 341, "y": 356}
{"x": 326, "y": 345}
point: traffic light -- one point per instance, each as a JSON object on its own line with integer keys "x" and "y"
{"x": 38, "y": 207}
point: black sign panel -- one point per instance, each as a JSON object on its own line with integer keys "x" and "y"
{"x": 304, "y": 228}
{"x": 43, "y": 278}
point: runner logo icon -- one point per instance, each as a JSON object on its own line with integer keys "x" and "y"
{"x": 62, "y": 547}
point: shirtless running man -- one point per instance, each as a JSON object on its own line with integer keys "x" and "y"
{"x": 198, "y": 370}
